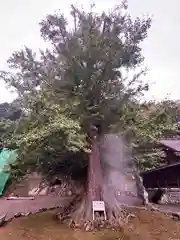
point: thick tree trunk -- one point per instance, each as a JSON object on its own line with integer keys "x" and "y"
{"x": 95, "y": 180}
{"x": 118, "y": 172}
{"x": 111, "y": 178}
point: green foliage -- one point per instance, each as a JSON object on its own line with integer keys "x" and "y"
{"x": 84, "y": 69}
{"x": 9, "y": 111}
{"x": 8, "y": 114}
{"x": 79, "y": 82}
{"x": 90, "y": 59}
{"x": 144, "y": 125}
{"x": 45, "y": 140}
{"x": 6, "y": 131}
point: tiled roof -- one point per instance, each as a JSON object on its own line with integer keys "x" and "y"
{"x": 174, "y": 144}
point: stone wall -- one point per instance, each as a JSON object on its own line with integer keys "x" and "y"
{"x": 34, "y": 185}
{"x": 171, "y": 196}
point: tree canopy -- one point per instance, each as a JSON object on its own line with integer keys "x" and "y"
{"x": 80, "y": 80}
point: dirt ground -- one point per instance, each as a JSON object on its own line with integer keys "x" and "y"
{"x": 13, "y": 207}
{"x": 146, "y": 225}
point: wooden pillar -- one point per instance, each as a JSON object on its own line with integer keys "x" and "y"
{"x": 170, "y": 156}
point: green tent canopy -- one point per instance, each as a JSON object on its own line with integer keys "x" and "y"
{"x": 6, "y": 157}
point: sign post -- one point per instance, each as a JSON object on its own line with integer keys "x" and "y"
{"x": 99, "y": 206}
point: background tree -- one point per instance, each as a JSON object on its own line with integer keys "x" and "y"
{"x": 9, "y": 113}
{"x": 144, "y": 124}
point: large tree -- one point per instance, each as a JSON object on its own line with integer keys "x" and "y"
{"x": 82, "y": 74}
{"x": 86, "y": 63}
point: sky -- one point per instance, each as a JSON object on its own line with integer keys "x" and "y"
{"x": 19, "y": 27}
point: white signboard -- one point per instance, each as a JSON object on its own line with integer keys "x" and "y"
{"x": 99, "y": 206}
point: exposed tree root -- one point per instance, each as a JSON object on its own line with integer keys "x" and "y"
{"x": 79, "y": 215}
